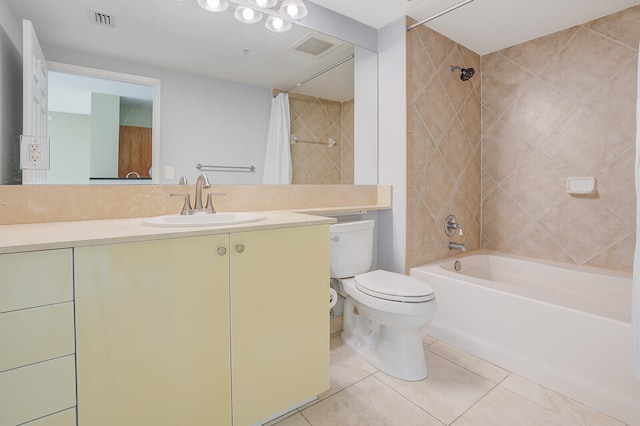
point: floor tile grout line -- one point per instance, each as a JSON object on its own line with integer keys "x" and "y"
{"x": 556, "y": 394}
{"x": 495, "y": 385}
{"x": 471, "y": 371}
{"x": 406, "y": 398}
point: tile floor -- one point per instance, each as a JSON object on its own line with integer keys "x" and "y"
{"x": 461, "y": 390}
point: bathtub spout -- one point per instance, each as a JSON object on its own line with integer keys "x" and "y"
{"x": 456, "y": 246}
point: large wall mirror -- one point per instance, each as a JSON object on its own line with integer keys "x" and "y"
{"x": 216, "y": 78}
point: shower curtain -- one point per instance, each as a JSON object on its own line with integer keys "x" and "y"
{"x": 635, "y": 298}
{"x": 277, "y": 161}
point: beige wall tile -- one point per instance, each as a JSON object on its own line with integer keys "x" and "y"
{"x": 317, "y": 120}
{"x": 443, "y": 144}
{"x": 585, "y": 144}
{"x": 582, "y": 65}
{"x": 539, "y": 112}
{"x": 615, "y": 98}
{"x": 503, "y": 151}
{"x": 578, "y": 119}
{"x": 502, "y": 83}
{"x": 584, "y": 227}
{"x": 536, "y": 54}
{"x": 622, "y": 26}
{"x": 616, "y": 256}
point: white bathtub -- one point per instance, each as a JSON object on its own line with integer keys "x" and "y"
{"x": 562, "y": 326}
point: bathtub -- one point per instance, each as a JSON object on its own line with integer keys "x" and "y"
{"x": 565, "y": 327}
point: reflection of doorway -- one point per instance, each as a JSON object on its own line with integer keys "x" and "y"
{"x": 134, "y": 151}
{"x": 133, "y": 101}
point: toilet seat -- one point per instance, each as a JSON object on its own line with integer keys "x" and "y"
{"x": 394, "y": 287}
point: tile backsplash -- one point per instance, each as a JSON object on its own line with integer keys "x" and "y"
{"x": 555, "y": 107}
{"x": 64, "y": 203}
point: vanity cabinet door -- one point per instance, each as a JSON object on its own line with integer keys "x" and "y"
{"x": 37, "y": 362}
{"x": 280, "y": 319}
{"x": 152, "y": 324}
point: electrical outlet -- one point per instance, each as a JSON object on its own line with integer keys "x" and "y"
{"x": 34, "y": 152}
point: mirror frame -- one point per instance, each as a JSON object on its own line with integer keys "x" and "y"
{"x": 154, "y": 83}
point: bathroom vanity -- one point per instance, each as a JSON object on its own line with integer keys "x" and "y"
{"x": 200, "y": 326}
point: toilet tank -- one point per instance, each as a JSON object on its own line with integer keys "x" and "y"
{"x": 351, "y": 248}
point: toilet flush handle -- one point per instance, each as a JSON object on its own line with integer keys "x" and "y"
{"x": 336, "y": 239}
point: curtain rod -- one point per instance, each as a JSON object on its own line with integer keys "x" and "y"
{"x": 439, "y": 14}
{"x": 319, "y": 73}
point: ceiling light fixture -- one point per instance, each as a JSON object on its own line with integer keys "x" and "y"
{"x": 264, "y": 4}
{"x": 293, "y": 9}
{"x": 246, "y": 15}
{"x": 277, "y": 25}
{"x": 214, "y": 5}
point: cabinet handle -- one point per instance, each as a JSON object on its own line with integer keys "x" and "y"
{"x": 222, "y": 251}
{"x": 240, "y": 248}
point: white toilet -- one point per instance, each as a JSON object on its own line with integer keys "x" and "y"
{"x": 383, "y": 311}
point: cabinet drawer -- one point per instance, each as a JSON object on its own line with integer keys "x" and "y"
{"x": 35, "y": 279}
{"x": 37, "y": 390}
{"x": 38, "y": 334}
{"x": 63, "y": 418}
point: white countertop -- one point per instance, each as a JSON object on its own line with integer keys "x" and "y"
{"x": 46, "y": 236}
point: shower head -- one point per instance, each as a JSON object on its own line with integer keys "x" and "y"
{"x": 466, "y": 73}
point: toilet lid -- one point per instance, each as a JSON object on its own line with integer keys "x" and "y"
{"x": 393, "y": 286}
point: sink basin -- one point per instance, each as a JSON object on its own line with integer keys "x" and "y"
{"x": 225, "y": 218}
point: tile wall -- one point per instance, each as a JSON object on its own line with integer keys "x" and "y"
{"x": 315, "y": 119}
{"x": 558, "y": 106}
{"x": 443, "y": 146}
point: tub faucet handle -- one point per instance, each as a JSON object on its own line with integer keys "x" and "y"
{"x": 450, "y": 226}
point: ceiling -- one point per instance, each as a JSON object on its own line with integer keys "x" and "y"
{"x": 179, "y": 34}
{"x": 483, "y": 26}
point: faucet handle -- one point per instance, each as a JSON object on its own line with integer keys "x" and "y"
{"x": 210, "y": 202}
{"x": 186, "y": 208}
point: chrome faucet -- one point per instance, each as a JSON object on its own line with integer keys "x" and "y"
{"x": 202, "y": 182}
{"x": 456, "y": 246}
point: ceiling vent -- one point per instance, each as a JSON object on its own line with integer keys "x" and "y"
{"x": 102, "y": 18}
{"x": 315, "y": 45}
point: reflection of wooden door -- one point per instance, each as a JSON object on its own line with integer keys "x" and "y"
{"x": 134, "y": 151}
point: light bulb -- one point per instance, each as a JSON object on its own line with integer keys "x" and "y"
{"x": 213, "y": 4}
{"x": 248, "y": 14}
{"x": 292, "y": 10}
{"x": 261, "y": 3}
{"x": 277, "y": 23}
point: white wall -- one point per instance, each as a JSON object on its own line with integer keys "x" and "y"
{"x": 70, "y": 136}
{"x": 12, "y": 26}
{"x": 365, "y": 125}
{"x": 105, "y": 135}
{"x": 203, "y": 120}
{"x": 10, "y": 96}
{"x": 393, "y": 143}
